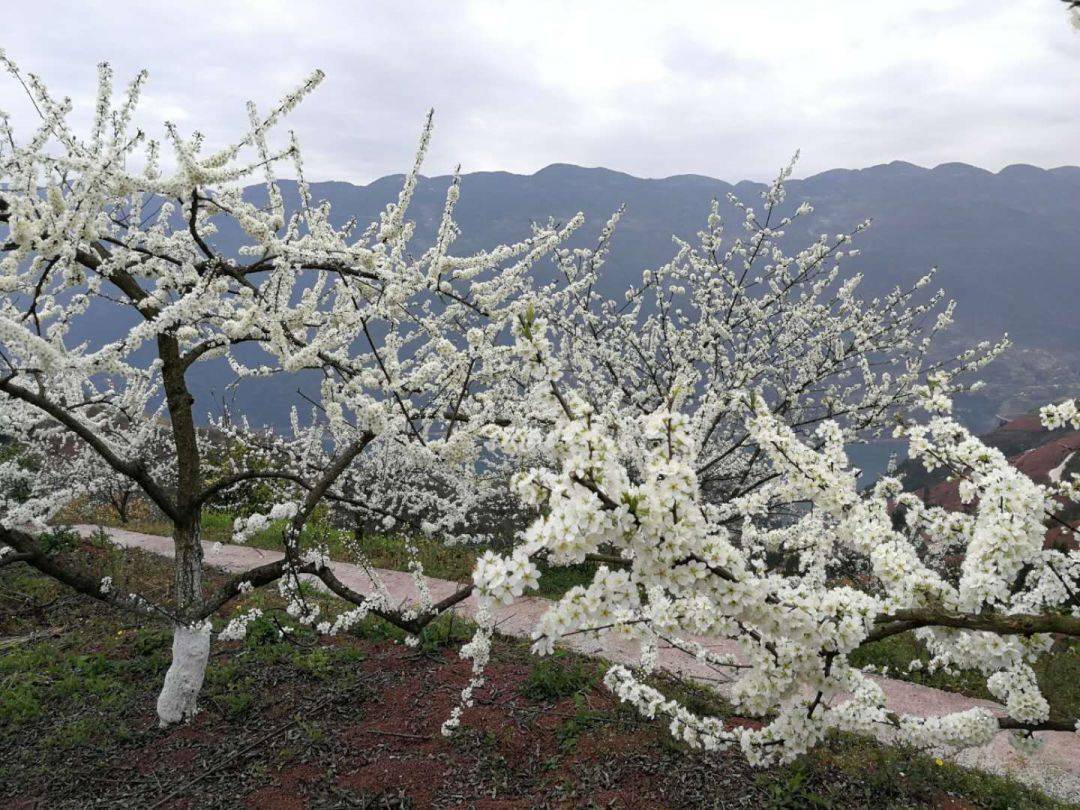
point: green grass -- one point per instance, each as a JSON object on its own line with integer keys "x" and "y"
{"x": 77, "y": 686}
{"x": 44, "y": 678}
{"x": 557, "y": 580}
{"x": 454, "y": 563}
{"x": 876, "y": 776}
{"x": 846, "y": 769}
{"x": 843, "y": 771}
{"x": 560, "y": 676}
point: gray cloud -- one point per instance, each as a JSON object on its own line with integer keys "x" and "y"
{"x": 728, "y": 89}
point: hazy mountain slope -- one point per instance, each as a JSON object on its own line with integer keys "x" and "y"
{"x": 1007, "y": 245}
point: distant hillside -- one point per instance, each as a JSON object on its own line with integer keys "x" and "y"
{"x": 1007, "y": 245}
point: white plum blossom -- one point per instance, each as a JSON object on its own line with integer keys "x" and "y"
{"x": 1061, "y": 415}
{"x": 505, "y": 578}
{"x": 178, "y": 268}
{"x": 689, "y": 434}
{"x": 236, "y": 629}
{"x": 690, "y": 578}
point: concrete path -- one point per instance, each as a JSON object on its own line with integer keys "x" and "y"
{"x": 1053, "y": 769}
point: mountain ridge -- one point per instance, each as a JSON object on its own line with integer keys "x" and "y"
{"x": 559, "y": 165}
{"x": 1007, "y": 245}
{"x": 1005, "y": 242}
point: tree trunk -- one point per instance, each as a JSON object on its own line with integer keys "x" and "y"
{"x": 188, "y": 566}
{"x": 191, "y": 636}
{"x": 120, "y": 502}
{"x": 183, "y": 681}
{"x": 191, "y": 640}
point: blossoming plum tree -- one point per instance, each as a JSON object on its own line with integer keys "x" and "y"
{"x": 693, "y": 437}
{"x": 404, "y": 340}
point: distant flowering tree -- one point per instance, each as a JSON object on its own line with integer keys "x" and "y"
{"x": 406, "y": 341}
{"x": 693, "y": 436}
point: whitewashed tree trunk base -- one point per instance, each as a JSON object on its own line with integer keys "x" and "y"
{"x": 183, "y": 681}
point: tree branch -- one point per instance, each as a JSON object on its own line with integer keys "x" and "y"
{"x": 901, "y": 621}
{"x": 134, "y": 471}
{"x": 29, "y": 551}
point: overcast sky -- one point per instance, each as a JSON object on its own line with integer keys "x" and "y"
{"x": 727, "y": 88}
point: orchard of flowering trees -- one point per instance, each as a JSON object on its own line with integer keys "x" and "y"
{"x": 689, "y": 436}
